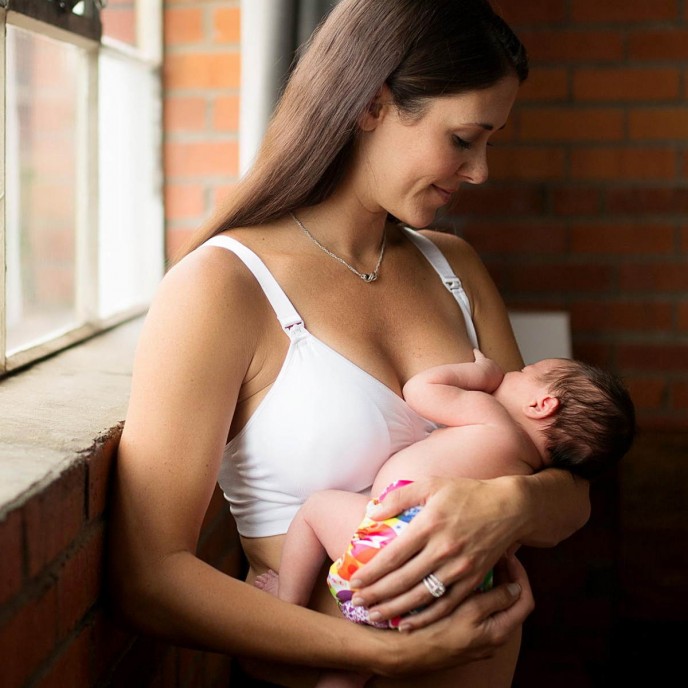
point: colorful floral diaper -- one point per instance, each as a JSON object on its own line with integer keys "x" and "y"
{"x": 370, "y": 537}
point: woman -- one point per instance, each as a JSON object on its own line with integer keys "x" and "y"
{"x": 274, "y": 357}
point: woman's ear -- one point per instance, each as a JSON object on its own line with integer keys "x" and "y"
{"x": 376, "y": 109}
{"x": 541, "y": 407}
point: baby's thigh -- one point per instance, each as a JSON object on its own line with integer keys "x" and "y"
{"x": 496, "y": 672}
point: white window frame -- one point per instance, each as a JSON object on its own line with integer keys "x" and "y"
{"x": 148, "y": 54}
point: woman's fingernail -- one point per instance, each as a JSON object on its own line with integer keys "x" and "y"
{"x": 357, "y": 601}
{"x": 355, "y": 583}
{"x": 404, "y": 628}
{"x": 514, "y": 589}
{"x": 375, "y": 616}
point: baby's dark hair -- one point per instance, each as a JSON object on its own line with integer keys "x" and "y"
{"x": 594, "y": 425}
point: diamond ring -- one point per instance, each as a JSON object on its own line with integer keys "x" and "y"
{"x": 434, "y": 585}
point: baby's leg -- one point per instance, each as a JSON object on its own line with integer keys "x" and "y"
{"x": 322, "y": 527}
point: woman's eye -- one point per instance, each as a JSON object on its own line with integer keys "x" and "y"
{"x": 461, "y": 143}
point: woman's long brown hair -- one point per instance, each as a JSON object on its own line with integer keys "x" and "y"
{"x": 420, "y": 48}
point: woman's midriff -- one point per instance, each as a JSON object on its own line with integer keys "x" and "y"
{"x": 265, "y": 553}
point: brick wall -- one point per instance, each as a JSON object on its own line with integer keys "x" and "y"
{"x": 587, "y": 210}
{"x": 55, "y": 630}
{"x": 201, "y": 111}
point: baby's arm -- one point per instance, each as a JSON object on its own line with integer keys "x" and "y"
{"x": 321, "y": 528}
{"x": 456, "y": 393}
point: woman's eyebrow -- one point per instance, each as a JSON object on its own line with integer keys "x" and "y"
{"x": 486, "y": 126}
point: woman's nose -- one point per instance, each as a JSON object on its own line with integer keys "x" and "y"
{"x": 474, "y": 170}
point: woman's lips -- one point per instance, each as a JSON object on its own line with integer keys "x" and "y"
{"x": 445, "y": 194}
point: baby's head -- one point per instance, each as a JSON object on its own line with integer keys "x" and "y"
{"x": 593, "y": 424}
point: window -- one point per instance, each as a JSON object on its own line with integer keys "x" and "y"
{"x": 81, "y": 218}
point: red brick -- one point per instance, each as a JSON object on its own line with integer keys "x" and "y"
{"x": 526, "y": 238}
{"x": 109, "y": 644}
{"x": 100, "y": 466}
{"x": 79, "y": 580}
{"x": 653, "y": 277}
{"x": 54, "y": 517}
{"x": 596, "y": 353}
{"x": 553, "y": 45}
{"x": 12, "y": 559}
{"x": 680, "y": 395}
{"x": 646, "y": 392}
{"x": 658, "y": 44}
{"x": 571, "y": 200}
{"x": 625, "y": 239}
{"x": 221, "y": 193}
{"x": 183, "y": 26}
{"x": 545, "y": 11}
{"x": 497, "y": 200}
{"x": 556, "y": 276}
{"x": 682, "y": 318}
{"x": 545, "y": 84}
{"x": 626, "y": 84}
{"x": 72, "y": 666}
{"x": 27, "y": 638}
{"x": 184, "y": 201}
{"x": 202, "y": 70}
{"x": 655, "y": 357}
{"x": 201, "y": 159}
{"x": 623, "y": 163}
{"x": 623, "y": 11}
{"x": 618, "y": 316}
{"x": 527, "y": 163}
{"x": 227, "y": 25}
{"x": 638, "y": 200}
{"x": 658, "y": 124}
{"x": 176, "y": 240}
{"x": 566, "y": 124}
{"x": 182, "y": 114}
{"x": 226, "y": 114}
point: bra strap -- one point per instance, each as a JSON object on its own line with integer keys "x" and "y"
{"x": 285, "y": 311}
{"x": 436, "y": 258}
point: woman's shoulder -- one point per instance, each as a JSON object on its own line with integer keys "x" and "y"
{"x": 210, "y": 284}
{"x": 460, "y": 254}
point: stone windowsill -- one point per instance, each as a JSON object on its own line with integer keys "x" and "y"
{"x": 53, "y": 412}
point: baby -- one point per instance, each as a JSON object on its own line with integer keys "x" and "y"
{"x": 556, "y": 412}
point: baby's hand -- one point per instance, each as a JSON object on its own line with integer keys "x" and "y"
{"x": 491, "y": 370}
{"x": 479, "y": 355}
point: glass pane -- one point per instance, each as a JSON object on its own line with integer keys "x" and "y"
{"x": 41, "y": 185}
{"x": 119, "y": 20}
{"x": 130, "y": 242}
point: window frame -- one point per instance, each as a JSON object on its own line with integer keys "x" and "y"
{"x": 45, "y": 18}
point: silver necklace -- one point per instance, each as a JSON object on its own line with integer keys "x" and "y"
{"x": 365, "y": 276}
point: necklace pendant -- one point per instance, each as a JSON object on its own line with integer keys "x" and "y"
{"x": 369, "y": 277}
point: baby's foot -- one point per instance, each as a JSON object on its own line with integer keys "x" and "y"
{"x": 268, "y": 581}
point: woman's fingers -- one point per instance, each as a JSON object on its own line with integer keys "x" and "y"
{"x": 401, "y": 498}
{"x": 503, "y": 621}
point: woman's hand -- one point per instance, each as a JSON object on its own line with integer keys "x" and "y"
{"x": 463, "y": 530}
{"x": 473, "y": 631}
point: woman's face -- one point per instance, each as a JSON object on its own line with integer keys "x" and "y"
{"x": 412, "y": 167}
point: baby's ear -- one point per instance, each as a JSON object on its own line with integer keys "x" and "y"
{"x": 542, "y": 407}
